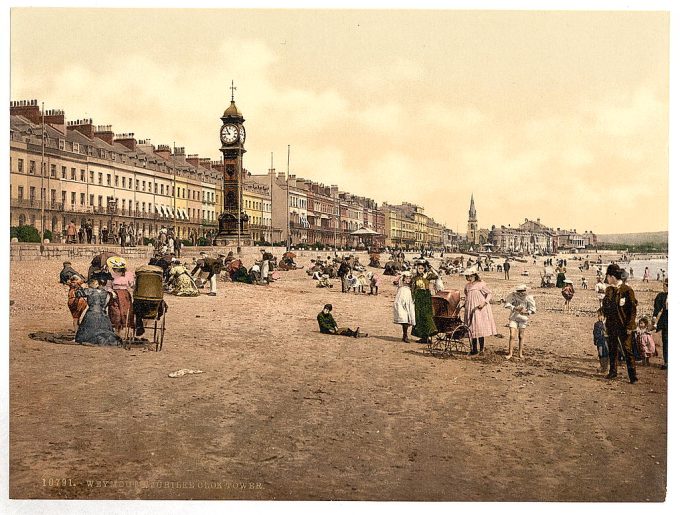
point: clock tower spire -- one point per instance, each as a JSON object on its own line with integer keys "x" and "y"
{"x": 472, "y": 233}
{"x": 233, "y": 221}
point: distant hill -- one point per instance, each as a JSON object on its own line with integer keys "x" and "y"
{"x": 635, "y": 238}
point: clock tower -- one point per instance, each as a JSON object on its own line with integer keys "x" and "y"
{"x": 233, "y": 222}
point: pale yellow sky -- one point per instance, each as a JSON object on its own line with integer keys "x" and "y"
{"x": 561, "y": 116}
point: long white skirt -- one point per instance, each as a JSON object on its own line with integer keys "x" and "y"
{"x": 404, "y": 308}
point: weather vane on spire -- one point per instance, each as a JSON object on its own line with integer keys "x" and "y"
{"x": 232, "y": 88}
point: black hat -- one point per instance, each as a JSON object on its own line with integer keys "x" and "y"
{"x": 614, "y": 270}
{"x": 329, "y": 307}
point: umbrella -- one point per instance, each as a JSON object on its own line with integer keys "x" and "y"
{"x": 363, "y": 231}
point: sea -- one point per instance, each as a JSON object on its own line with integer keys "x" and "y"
{"x": 655, "y": 266}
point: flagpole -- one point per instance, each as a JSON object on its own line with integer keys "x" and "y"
{"x": 271, "y": 201}
{"x": 174, "y": 194}
{"x": 289, "y": 238}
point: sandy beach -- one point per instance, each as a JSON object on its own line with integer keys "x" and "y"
{"x": 283, "y": 412}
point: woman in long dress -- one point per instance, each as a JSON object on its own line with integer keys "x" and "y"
{"x": 422, "y": 298}
{"x": 404, "y": 308}
{"x": 96, "y": 327}
{"x": 120, "y": 306}
{"x": 76, "y": 305}
{"x": 478, "y": 314}
{"x": 182, "y": 283}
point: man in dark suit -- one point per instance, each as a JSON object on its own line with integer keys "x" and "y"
{"x": 620, "y": 309}
{"x": 660, "y": 319}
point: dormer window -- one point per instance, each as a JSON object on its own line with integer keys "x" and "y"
{"x": 61, "y": 144}
{"x": 76, "y": 147}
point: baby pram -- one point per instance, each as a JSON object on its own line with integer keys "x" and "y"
{"x": 148, "y": 305}
{"x": 452, "y": 333}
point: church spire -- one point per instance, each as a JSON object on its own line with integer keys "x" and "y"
{"x": 473, "y": 212}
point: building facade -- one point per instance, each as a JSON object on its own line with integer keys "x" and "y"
{"x": 86, "y": 173}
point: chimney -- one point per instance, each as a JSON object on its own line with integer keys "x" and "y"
{"x": 83, "y": 126}
{"x": 104, "y": 133}
{"x": 163, "y": 151}
{"x": 217, "y": 165}
{"x": 55, "y": 117}
{"x": 26, "y": 108}
{"x": 127, "y": 139}
{"x": 192, "y": 159}
{"x": 204, "y": 162}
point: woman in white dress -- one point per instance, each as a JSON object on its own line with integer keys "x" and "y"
{"x": 404, "y": 308}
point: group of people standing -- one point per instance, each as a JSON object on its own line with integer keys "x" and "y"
{"x": 101, "y": 306}
{"x": 618, "y": 331}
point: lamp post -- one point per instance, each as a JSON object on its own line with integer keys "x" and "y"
{"x": 42, "y": 177}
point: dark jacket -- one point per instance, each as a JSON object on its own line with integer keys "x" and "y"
{"x": 599, "y": 337}
{"x": 327, "y": 324}
{"x": 660, "y": 307}
{"x": 66, "y": 274}
{"x": 619, "y": 317}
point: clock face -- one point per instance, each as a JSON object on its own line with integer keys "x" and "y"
{"x": 242, "y": 133}
{"x": 229, "y": 134}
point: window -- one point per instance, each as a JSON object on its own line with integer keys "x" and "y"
{"x": 100, "y": 199}
{"x": 82, "y": 199}
{"x": 102, "y": 153}
{"x": 82, "y": 175}
{"x": 155, "y": 188}
{"x": 91, "y": 176}
{"x": 76, "y": 147}
{"x": 73, "y": 174}
{"x": 61, "y": 144}
{"x": 53, "y": 171}
{"x": 101, "y": 175}
{"x": 20, "y": 165}
{"x": 73, "y": 198}
{"x": 31, "y": 169}
{"x": 143, "y": 185}
{"x": 20, "y": 192}
{"x": 108, "y": 179}
{"x": 137, "y": 184}
{"x": 53, "y": 197}
{"x": 116, "y": 180}
{"x": 63, "y": 198}
{"x": 123, "y": 181}
{"x": 113, "y": 156}
{"x": 91, "y": 199}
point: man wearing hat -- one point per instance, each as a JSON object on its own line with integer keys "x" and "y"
{"x": 327, "y": 324}
{"x": 660, "y": 319}
{"x": 521, "y": 306}
{"x": 343, "y": 270}
{"x": 211, "y": 267}
{"x": 67, "y": 272}
{"x": 620, "y": 310}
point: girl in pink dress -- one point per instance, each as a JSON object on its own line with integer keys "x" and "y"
{"x": 645, "y": 340}
{"x": 478, "y": 314}
{"x": 120, "y": 307}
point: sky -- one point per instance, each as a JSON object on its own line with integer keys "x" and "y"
{"x": 561, "y": 116}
